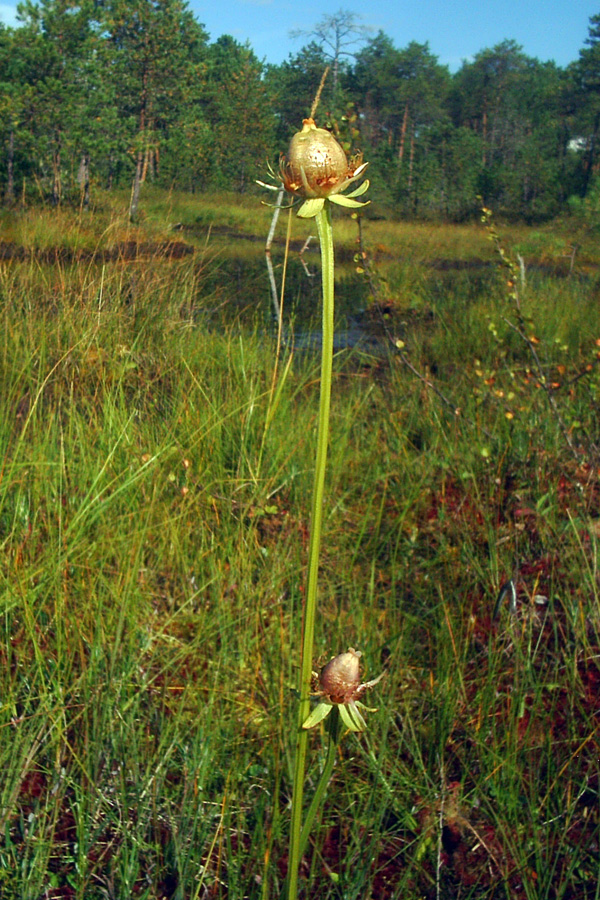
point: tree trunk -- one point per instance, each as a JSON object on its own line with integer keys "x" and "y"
{"x": 403, "y": 133}
{"x": 141, "y": 165}
{"x": 9, "y": 194}
{"x": 111, "y": 172}
{"x": 83, "y": 179}
{"x": 588, "y": 167}
{"x": 484, "y": 132}
{"x": 56, "y": 181}
{"x": 336, "y": 65}
{"x": 411, "y": 158}
{"x": 135, "y": 189}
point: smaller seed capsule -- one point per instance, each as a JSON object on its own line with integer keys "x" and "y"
{"x": 340, "y": 678}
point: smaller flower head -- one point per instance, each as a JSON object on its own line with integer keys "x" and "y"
{"x": 339, "y": 685}
{"x": 340, "y": 678}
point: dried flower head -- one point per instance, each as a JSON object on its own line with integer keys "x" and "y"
{"x": 339, "y": 680}
{"x": 316, "y": 165}
{"x": 317, "y": 169}
{"x": 339, "y": 685}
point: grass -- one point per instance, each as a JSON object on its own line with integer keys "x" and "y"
{"x": 154, "y": 510}
{"x": 178, "y": 216}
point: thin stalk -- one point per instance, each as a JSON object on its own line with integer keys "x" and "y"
{"x": 321, "y": 788}
{"x": 324, "y": 228}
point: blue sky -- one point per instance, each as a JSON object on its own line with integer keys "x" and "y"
{"x": 455, "y": 29}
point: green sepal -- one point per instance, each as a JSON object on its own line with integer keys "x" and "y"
{"x": 311, "y": 207}
{"x": 351, "y": 717}
{"x": 342, "y": 200}
{"x": 361, "y": 189}
{"x": 320, "y": 712}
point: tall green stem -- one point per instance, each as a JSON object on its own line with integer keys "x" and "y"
{"x": 296, "y": 844}
{"x": 335, "y": 730}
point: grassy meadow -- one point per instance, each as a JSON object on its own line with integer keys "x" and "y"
{"x": 154, "y": 518}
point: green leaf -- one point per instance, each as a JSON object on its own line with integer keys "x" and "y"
{"x": 320, "y": 712}
{"x": 310, "y": 208}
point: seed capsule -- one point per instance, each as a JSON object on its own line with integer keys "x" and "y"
{"x": 316, "y": 164}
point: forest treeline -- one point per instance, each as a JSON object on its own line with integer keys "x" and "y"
{"x": 108, "y": 93}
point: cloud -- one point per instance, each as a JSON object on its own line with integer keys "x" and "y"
{"x": 8, "y": 14}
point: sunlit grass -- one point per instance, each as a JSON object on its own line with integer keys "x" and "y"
{"x": 180, "y": 216}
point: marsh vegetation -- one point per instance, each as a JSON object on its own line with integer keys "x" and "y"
{"x": 154, "y": 514}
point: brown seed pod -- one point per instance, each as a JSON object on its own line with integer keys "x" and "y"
{"x": 340, "y": 678}
{"x": 316, "y": 164}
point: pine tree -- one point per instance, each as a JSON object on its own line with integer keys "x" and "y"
{"x": 240, "y": 114}
{"x": 585, "y": 74}
{"x": 152, "y": 48}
